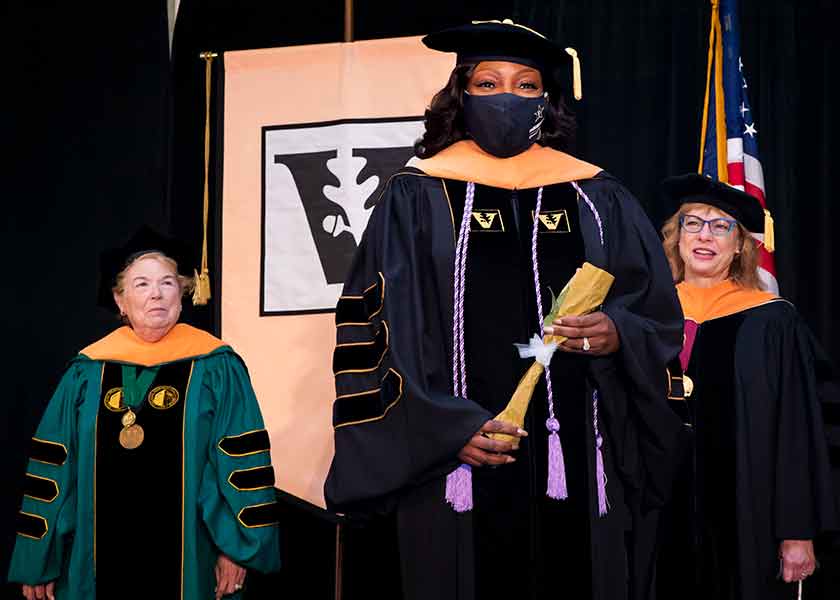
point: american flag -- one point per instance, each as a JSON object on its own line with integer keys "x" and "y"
{"x": 729, "y": 137}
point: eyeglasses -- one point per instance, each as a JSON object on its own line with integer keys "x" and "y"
{"x": 718, "y": 227}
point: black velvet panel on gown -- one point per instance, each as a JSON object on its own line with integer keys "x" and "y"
{"x": 529, "y": 540}
{"x": 138, "y": 508}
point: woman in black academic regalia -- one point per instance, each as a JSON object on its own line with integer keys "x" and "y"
{"x": 755, "y": 490}
{"x": 457, "y": 264}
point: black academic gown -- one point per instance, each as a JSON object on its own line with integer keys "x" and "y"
{"x": 398, "y": 428}
{"x": 758, "y": 470}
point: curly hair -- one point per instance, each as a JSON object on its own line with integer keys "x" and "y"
{"x": 444, "y": 119}
{"x": 743, "y": 269}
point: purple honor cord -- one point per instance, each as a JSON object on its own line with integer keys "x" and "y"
{"x": 459, "y": 481}
{"x": 600, "y": 474}
{"x": 556, "y": 487}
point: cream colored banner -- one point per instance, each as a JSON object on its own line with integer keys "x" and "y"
{"x": 309, "y": 133}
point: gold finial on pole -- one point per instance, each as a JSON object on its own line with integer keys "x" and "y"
{"x": 201, "y": 292}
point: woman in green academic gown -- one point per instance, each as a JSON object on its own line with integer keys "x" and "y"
{"x": 457, "y": 264}
{"x": 149, "y": 474}
{"x": 755, "y": 489}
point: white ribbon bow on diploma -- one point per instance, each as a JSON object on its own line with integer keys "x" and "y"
{"x": 538, "y": 349}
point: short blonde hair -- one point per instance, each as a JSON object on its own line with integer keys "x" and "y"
{"x": 186, "y": 283}
{"x": 744, "y": 267}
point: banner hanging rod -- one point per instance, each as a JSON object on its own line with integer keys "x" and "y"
{"x": 348, "y": 20}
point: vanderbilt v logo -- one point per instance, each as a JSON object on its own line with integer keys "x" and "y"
{"x": 555, "y": 221}
{"x": 487, "y": 220}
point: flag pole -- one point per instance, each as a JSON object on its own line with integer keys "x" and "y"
{"x": 348, "y": 20}
{"x": 709, "y": 78}
{"x": 339, "y": 556}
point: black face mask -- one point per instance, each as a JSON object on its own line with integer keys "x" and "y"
{"x": 504, "y": 124}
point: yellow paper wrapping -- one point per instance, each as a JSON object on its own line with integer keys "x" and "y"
{"x": 583, "y": 294}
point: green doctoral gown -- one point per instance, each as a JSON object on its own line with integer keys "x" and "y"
{"x": 105, "y": 521}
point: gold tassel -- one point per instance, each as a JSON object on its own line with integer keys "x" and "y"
{"x": 577, "y": 85}
{"x": 769, "y": 233}
{"x": 201, "y": 291}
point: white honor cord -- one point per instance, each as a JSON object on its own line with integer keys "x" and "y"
{"x": 799, "y": 593}
{"x": 535, "y": 347}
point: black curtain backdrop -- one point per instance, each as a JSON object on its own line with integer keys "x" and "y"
{"x": 85, "y": 122}
{"x": 104, "y": 132}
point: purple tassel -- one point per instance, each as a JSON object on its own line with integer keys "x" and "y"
{"x": 600, "y": 477}
{"x": 556, "y": 465}
{"x": 459, "y": 489}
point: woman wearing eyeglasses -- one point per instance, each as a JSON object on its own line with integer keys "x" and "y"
{"x": 755, "y": 489}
